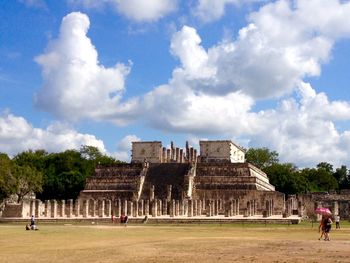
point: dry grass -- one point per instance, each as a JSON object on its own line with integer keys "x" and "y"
{"x": 184, "y": 243}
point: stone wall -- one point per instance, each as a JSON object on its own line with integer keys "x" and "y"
{"x": 242, "y": 205}
{"x": 337, "y": 203}
{"x": 221, "y": 151}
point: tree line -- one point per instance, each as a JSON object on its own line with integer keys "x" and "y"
{"x": 49, "y": 175}
{"x": 289, "y": 179}
{"x": 62, "y": 175}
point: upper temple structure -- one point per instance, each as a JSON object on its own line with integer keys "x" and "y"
{"x": 218, "y": 172}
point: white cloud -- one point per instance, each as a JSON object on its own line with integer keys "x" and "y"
{"x": 303, "y": 131}
{"x": 123, "y": 152}
{"x": 136, "y": 10}
{"x": 210, "y": 10}
{"x": 17, "y": 135}
{"x": 75, "y": 84}
{"x": 281, "y": 45}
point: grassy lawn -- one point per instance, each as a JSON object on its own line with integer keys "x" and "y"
{"x": 172, "y": 243}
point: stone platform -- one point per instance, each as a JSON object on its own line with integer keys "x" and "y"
{"x": 165, "y": 220}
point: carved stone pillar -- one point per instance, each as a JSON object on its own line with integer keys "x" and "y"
{"x": 70, "y": 208}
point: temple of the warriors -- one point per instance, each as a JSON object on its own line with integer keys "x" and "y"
{"x": 172, "y": 183}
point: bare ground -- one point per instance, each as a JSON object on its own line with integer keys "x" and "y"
{"x": 184, "y": 243}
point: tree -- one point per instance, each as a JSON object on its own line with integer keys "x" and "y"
{"x": 34, "y": 159}
{"x": 343, "y": 177}
{"x": 27, "y": 180}
{"x": 286, "y": 178}
{"x": 64, "y": 175}
{"x": 325, "y": 166}
{"x": 7, "y": 181}
{"x": 320, "y": 179}
{"x": 261, "y": 157}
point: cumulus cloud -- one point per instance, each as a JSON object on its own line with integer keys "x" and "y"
{"x": 281, "y": 45}
{"x": 17, "y": 135}
{"x": 123, "y": 152}
{"x": 75, "y": 84}
{"x": 136, "y": 10}
{"x": 303, "y": 131}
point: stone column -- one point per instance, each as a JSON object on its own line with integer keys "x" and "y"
{"x": 177, "y": 154}
{"x": 164, "y": 157}
{"x": 181, "y": 207}
{"x": 185, "y": 203}
{"x": 85, "y": 208}
{"x": 147, "y": 207}
{"x": 151, "y": 193}
{"x": 165, "y": 207}
{"x": 168, "y": 155}
{"x": 190, "y": 208}
{"x": 77, "y": 207}
{"x": 209, "y": 209}
{"x": 125, "y": 207}
{"x": 37, "y": 208}
{"x": 136, "y": 209}
{"x": 172, "y": 208}
{"x": 130, "y": 208}
{"x": 32, "y": 207}
{"x": 200, "y": 207}
{"x": 94, "y": 208}
{"x": 119, "y": 208}
{"x": 177, "y": 207}
{"x": 54, "y": 208}
{"x": 154, "y": 208}
{"x": 168, "y": 192}
{"x": 195, "y": 207}
{"x": 70, "y": 208}
{"x": 159, "y": 207}
{"x": 141, "y": 208}
{"x": 63, "y": 208}
{"x": 217, "y": 204}
{"x": 47, "y": 208}
{"x": 109, "y": 208}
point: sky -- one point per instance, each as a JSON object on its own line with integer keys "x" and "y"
{"x": 105, "y": 73}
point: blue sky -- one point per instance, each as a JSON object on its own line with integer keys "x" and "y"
{"x": 104, "y": 73}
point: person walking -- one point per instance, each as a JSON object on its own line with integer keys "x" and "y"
{"x": 337, "y": 221}
{"x": 328, "y": 228}
{"x": 321, "y": 228}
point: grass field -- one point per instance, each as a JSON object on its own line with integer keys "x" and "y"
{"x": 172, "y": 243}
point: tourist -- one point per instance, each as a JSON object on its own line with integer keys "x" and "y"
{"x": 328, "y": 227}
{"x": 337, "y": 221}
{"x": 145, "y": 219}
{"x": 122, "y": 218}
{"x": 32, "y": 220}
{"x": 321, "y": 227}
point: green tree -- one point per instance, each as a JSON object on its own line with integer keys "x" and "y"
{"x": 7, "y": 181}
{"x": 320, "y": 179}
{"x": 261, "y": 157}
{"x": 64, "y": 175}
{"x": 286, "y": 178}
{"x": 34, "y": 159}
{"x": 343, "y": 177}
{"x": 27, "y": 180}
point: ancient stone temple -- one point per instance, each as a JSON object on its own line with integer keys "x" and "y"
{"x": 167, "y": 183}
{"x": 179, "y": 182}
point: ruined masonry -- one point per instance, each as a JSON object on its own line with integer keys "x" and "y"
{"x": 170, "y": 183}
